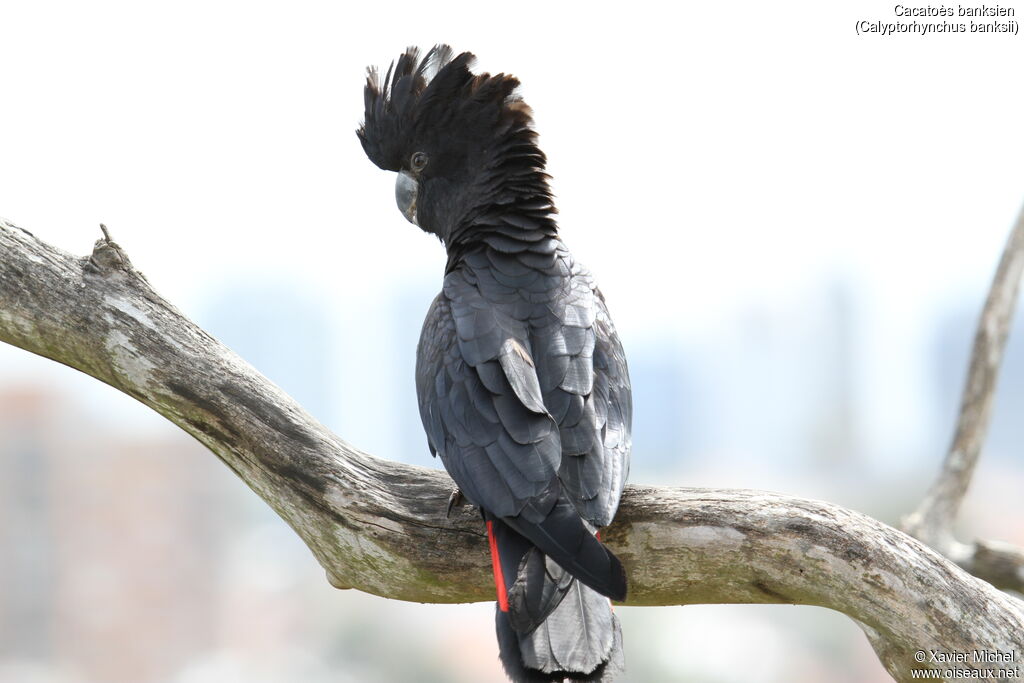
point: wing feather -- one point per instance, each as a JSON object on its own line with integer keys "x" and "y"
{"x": 494, "y": 409}
{"x": 482, "y": 405}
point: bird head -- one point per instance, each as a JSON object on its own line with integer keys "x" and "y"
{"x": 462, "y": 144}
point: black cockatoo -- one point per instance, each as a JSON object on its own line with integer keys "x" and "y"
{"x": 521, "y": 378}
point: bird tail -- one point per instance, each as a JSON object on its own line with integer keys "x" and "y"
{"x": 564, "y": 537}
{"x": 551, "y": 627}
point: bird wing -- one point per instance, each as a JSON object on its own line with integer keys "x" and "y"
{"x": 482, "y": 400}
{"x": 585, "y": 381}
{"x": 482, "y": 406}
{"x": 496, "y": 372}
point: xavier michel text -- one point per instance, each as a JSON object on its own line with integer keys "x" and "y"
{"x": 971, "y": 657}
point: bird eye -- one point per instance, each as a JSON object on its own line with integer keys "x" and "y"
{"x": 418, "y": 161}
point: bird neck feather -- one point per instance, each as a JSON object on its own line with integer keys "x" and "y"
{"x": 515, "y": 210}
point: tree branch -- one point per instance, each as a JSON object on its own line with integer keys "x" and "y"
{"x": 932, "y": 522}
{"x": 380, "y": 526}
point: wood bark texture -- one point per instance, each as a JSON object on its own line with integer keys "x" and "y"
{"x": 380, "y": 526}
{"x": 932, "y": 522}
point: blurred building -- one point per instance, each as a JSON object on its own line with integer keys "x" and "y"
{"x": 109, "y": 545}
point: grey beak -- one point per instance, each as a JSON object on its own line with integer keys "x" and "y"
{"x": 406, "y": 189}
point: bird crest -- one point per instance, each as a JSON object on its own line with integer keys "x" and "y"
{"x": 420, "y": 96}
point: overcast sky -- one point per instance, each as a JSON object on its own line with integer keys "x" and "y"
{"x": 724, "y": 150}
{"x": 708, "y": 160}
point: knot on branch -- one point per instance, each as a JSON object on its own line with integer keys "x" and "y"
{"x": 107, "y": 255}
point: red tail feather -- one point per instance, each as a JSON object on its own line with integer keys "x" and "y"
{"x": 499, "y": 576}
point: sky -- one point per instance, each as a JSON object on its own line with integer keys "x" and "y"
{"x": 722, "y": 169}
{"x": 705, "y": 159}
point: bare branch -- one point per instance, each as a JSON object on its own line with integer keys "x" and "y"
{"x": 381, "y": 527}
{"x": 933, "y": 521}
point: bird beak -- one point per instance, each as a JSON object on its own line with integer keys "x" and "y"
{"x": 406, "y": 189}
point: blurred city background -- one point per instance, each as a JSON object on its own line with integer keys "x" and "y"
{"x": 795, "y": 229}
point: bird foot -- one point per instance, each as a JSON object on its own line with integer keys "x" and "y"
{"x": 456, "y": 499}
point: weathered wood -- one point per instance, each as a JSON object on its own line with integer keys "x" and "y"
{"x": 932, "y": 522}
{"x": 380, "y": 526}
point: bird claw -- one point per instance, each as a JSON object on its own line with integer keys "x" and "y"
{"x": 456, "y": 499}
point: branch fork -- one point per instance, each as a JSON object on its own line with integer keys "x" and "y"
{"x": 1001, "y": 564}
